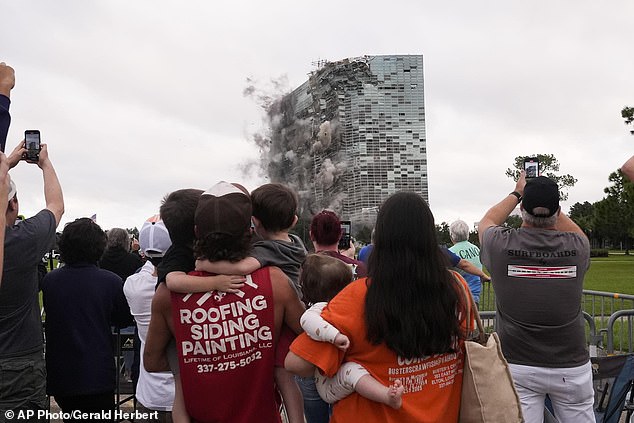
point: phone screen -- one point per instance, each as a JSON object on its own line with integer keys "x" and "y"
{"x": 344, "y": 241}
{"x": 531, "y": 166}
{"x": 32, "y": 144}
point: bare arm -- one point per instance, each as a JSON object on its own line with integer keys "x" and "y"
{"x": 159, "y": 332}
{"x": 497, "y": 214}
{"x": 52, "y": 188}
{"x": 628, "y": 169}
{"x": 469, "y": 267}
{"x": 295, "y": 364}
{"x": 286, "y": 302}
{"x": 294, "y": 310}
{"x": 243, "y": 267}
{"x": 181, "y": 282}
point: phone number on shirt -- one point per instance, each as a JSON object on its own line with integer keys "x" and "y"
{"x": 229, "y": 365}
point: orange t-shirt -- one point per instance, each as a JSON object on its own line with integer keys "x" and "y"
{"x": 432, "y": 384}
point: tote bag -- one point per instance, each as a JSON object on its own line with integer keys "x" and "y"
{"x": 488, "y": 392}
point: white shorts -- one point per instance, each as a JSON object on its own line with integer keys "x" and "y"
{"x": 569, "y": 388}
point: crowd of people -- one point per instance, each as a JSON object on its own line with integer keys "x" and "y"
{"x": 236, "y": 320}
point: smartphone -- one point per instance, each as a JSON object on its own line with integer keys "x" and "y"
{"x": 346, "y": 229}
{"x": 32, "y": 144}
{"x": 531, "y": 166}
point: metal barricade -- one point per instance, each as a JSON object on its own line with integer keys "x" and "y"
{"x": 616, "y": 324}
{"x": 601, "y": 305}
{"x": 124, "y": 390}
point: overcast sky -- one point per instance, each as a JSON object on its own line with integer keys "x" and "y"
{"x": 138, "y": 98}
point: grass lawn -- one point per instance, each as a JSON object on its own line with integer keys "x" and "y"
{"x": 611, "y": 274}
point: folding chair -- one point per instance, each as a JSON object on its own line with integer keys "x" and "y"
{"x": 613, "y": 379}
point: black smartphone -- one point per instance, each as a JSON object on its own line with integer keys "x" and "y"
{"x": 346, "y": 229}
{"x": 32, "y": 144}
{"x": 531, "y": 166}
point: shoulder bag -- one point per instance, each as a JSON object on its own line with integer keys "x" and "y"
{"x": 488, "y": 392}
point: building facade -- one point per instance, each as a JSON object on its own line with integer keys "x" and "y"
{"x": 353, "y": 134}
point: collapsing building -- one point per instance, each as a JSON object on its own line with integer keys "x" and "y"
{"x": 351, "y": 135}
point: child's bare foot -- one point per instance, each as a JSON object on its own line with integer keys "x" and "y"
{"x": 395, "y": 394}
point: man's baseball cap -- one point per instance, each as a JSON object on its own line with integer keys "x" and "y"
{"x": 224, "y": 209}
{"x": 154, "y": 239}
{"x": 12, "y": 189}
{"x": 541, "y": 192}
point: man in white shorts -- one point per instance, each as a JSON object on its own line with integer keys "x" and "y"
{"x": 537, "y": 273}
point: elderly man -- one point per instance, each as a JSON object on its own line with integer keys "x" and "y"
{"x": 459, "y": 233}
{"x": 537, "y": 272}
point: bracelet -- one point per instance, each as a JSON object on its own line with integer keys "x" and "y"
{"x": 518, "y": 195}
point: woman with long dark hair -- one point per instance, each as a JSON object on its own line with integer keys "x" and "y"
{"x": 405, "y": 322}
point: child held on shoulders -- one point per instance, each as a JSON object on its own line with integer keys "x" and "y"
{"x": 274, "y": 214}
{"x": 177, "y": 212}
{"x": 321, "y": 279}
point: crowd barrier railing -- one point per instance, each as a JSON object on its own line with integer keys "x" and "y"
{"x": 620, "y": 322}
{"x": 124, "y": 390}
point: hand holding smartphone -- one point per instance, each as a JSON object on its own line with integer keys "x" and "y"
{"x": 531, "y": 167}
{"x": 33, "y": 145}
{"x": 346, "y": 229}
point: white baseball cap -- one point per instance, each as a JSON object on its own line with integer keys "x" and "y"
{"x": 154, "y": 239}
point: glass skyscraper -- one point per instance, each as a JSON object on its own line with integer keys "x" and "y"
{"x": 353, "y": 134}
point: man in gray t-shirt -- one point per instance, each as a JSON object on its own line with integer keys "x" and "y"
{"x": 537, "y": 273}
{"x": 22, "y": 365}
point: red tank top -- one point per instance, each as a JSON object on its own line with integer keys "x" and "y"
{"x": 226, "y": 352}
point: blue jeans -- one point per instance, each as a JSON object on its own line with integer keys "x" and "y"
{"x": 316, "y": 410}
{"x": 23, "y": 384}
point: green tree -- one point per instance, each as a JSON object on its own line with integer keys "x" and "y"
{"x": 442, "y": 233}
{"x": 548, "y": 166}
{"x": 614, "y": 215}
{"x": 583, "y": 215}
{"x": 607, "y": 221}
{"x": 628, "y": 114}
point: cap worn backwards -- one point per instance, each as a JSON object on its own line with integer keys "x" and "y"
{"x": 224, "y": 209}
{"x": 541, "y": 192}
{"x": 154, "y": 238}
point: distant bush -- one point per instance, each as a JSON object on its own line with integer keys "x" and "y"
{"x": 599, "y": 252}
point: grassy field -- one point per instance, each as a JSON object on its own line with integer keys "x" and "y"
{"x": 611, "y": 274}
